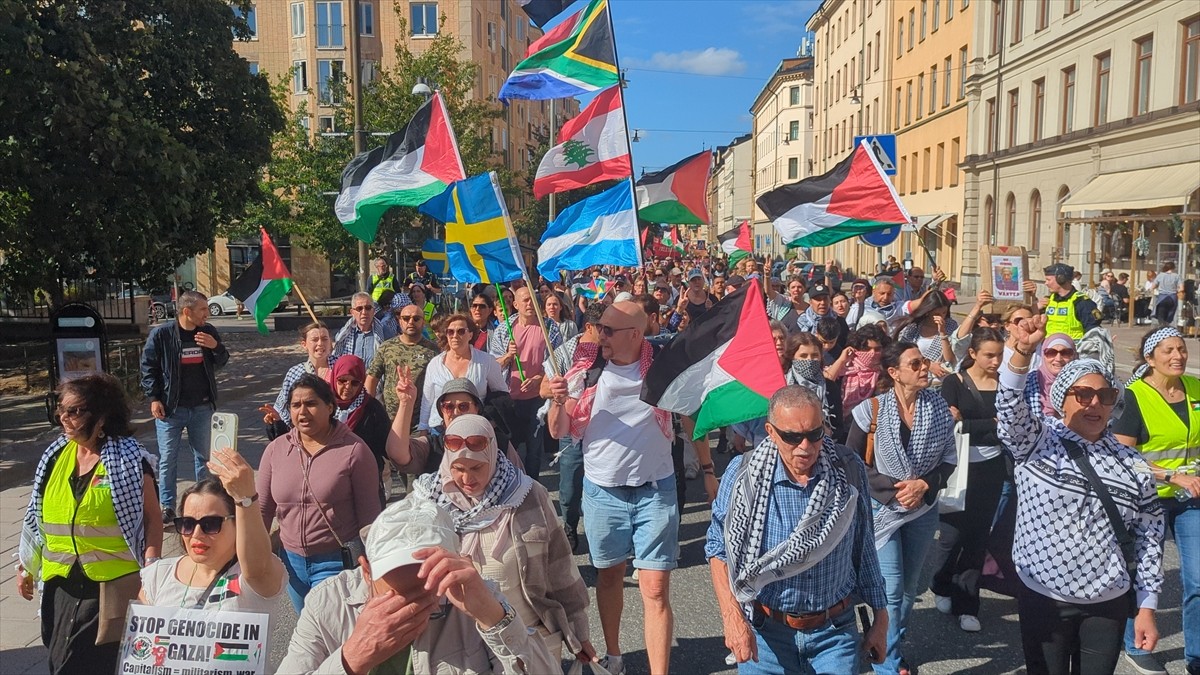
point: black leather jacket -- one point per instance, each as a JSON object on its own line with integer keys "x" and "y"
{"x": 160, "y": 364}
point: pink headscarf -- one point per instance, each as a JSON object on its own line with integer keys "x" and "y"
{"x": 1045, "y": 377}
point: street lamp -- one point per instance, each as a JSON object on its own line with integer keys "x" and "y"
{"x": 421, "y": 89}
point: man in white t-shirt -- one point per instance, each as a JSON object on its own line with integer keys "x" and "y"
{"x": 630, "y": 506}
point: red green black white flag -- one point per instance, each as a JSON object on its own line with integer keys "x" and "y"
{"x": 678, "y": 194}
{"x": 263, "y": 284}
{"x": 737, "y": 243}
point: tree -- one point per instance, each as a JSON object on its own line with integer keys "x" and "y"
{"x": 132, "y": 129}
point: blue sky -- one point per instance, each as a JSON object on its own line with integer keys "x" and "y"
{"x": 696, "y": 66}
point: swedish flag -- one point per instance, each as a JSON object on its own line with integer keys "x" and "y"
{"x": 479, "y": 248}
{"x": 433, "y": 252}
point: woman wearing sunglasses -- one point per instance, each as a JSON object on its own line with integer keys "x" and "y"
{"x": 1080, "y": 495}
{"x": 906, "y": 437}
{"x": 510, "y": 530}
{"x": 460, "y": 360}
{"x": 1162, "y": 420}
{"x": 92, "y": 520}
{"x": 228, "y": 563}
{"x": 322, "y": 483}
{"x": 362, "y": 413}
{"x": 930, "y": 327}
{"x": 1056, "y": 351}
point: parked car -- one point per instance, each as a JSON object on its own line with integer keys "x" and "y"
{"x": 162, "y": 306}
{"x": 225, "y": 303}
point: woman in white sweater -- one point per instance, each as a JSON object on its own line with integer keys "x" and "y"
{"x": 459, "y": 360}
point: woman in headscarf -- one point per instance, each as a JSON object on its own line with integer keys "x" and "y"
{"x": 360, "y": 411}
{"x": 1056, "y": 350}
{"x": 510, "y": 530}
{"x": 1087, "y": 562}
{"x": 1162, "y": 420}
{"x": 906, "y": 437}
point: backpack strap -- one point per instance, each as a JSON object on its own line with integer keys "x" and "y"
{"x": 1124, "y": 538}
{"x": 869, "y": 454}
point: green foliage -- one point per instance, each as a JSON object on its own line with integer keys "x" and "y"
{"x": 132, "y": 129}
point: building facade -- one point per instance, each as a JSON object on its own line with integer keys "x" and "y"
{"x": 1085, "y": 143}
{"x": 781, "y": 140}
{"x": 731, "y": 186}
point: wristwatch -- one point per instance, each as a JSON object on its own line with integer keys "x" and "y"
{"x": 245, "y": 502}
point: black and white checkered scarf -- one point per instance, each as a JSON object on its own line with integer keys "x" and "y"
{"x": 827, "y": 518}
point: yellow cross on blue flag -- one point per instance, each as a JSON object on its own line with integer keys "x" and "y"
{"x": 479, "y": 248}
{"x": 433, "y": 252}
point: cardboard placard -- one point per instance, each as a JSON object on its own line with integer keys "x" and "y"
{"x": 1003, "y": 271}
{"x": 178, "y": 641}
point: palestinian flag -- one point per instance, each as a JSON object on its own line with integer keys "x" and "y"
{"x": 594, "y": 289}
{"x": 417, "y": 163}
{"x": 670, "y": 239}
{"x": 678, "y": 193}
{"x": 231, "y": 651}
{"x": 582, "y": 61}
{"x": 736, "y": 243}
{"x": 854, "y": 198}
{"x": 592, "y": 147}
{"x": 263, "y": 284}
{"x": 723, "y": 369}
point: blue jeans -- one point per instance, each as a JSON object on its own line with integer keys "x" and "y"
{"x": 1183, "y": 518}
{"x": 170, "y": 434}
{"x": 570, "y": 482}
{"x": 527, "y": 437}
{"x": 832, "y": 648}
{"x": 304, "y": 572}
{"x": 901, "y": 561}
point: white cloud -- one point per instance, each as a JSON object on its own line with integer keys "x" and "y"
{"x": 710, "y": 61}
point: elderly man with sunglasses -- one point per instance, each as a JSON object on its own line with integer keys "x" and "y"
{"x": 363, "y": 333}
{"x": 791, "y": 548}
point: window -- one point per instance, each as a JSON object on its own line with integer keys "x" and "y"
{"x": 925, "y": 160}
{"x": 478, "y": 29}
{"x": 491, "y": 33}
{"x": 1018, "y": 26}
{"x": 867, "y": 62}
{"x": 299, "y": 77}
{"x": 937, "y": 13}
{"x": 912, "y": 28}
{"x": 1189, "y": 70}
{"x": 949, "y": 10}
{"x": 330, "y": 25}
{"x": 1013, "y": 111}
{"x": 1035, "y": 220}
{"x": 794, "y": 130}
{"x": 250, "y": 16}
{"x": 366, "y": 18}
{"x": 369, "y": 70}
{"x": 329, "y": 72}
{"x": 901, "y": 174}
{"x": 1072, "y": 7}
{"x": 946, "y": 82}
{"x": 794, "y": 96}
{"x": 912, "y": 183}
{"x": 989, "y": 220}
{"x": 938, "y": 171}
{"x": 933, "y": 89}
{"x": 425, "y": 20}
{"x": 954, "y": 162}
{"x": 900, "y": 39}
{"x": 298, "y": 19}
{"x": 254, "y": 67}
{"x": 1043, "y": 15}
{"x": 1010, "y": 220}
{"x": 924, "y": 17}
{"x": 306, "y": 124}
{"x": 1039, "y": 109}
{"x": 1143, "y": 58}
{"x": 1067, "y": 123}
{"x": 908, "y": 102}
{"x": 991, "y": 125}
{"x": 325, "y": 124}
{"x": 962, "y": 73}
{"x": 997, "y": 27}
{"x": 878, "y": 47}
{"x": 897, "y": 109}
{"x": 1100, "y": 102}
{"x": 793, "y": 168}
{"x": 920, "y": 95}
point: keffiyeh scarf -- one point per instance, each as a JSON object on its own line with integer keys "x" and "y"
{"x": 583, "y": 409}
{"x": 827, "y": 518}
{"x": 1070, "y": 374}
{"x": 1152, "y": 341}
{"x": 505, "y": 492}
{"x": 932, "y": 351}
{"x": 862, "y": 374}
{"x": 809, "y": 373}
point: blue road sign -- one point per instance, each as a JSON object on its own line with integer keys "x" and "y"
{"x": 882, "y": 237}
{"x": 884, "y": 146}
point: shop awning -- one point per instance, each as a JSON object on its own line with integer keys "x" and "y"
{"x": 1138, "y": 189}
{"x": 927, "y": 221}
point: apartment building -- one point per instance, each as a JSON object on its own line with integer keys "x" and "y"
{"x": 782, "y": 140}
{"x": 1085, "y": 133}
{"x": 731, "y": 186}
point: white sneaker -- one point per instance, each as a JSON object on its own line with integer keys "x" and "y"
{"x": 969, "y": 623}
{"x": 942, "y": 602}
{"x": 730, "y": 659}
{"x": 615, "y": 665}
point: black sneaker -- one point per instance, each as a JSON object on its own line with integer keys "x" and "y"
{"x": 1145, "y": 664}
{"x": 572, "y": 539}
{"x": 168, "y": 514}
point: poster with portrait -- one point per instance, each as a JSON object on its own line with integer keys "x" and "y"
{"x": 1005, "y": 269}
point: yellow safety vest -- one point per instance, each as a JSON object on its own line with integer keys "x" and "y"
{"x": 380, "y": 284}
{"x": 87, "y": 530}
{"x": 1172, "y": 444}
{"x": 1060, "y": 316}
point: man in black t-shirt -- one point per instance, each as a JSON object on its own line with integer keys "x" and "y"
{"x": 424, "y": 277}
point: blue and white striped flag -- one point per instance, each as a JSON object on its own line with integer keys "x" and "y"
{"x": 600, "y": 230}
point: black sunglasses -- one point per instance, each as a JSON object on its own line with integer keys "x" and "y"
{"x": 798, "y": 437}
{"x": 1084, "y": 395}
{"x": 208, "y": 524}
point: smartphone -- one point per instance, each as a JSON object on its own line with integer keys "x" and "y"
{"x": 223, "y": 433}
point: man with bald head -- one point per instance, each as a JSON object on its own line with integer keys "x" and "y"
{"x": 630, "y": 507}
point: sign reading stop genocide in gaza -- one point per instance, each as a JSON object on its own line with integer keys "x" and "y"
{"x": 178, "y": 641}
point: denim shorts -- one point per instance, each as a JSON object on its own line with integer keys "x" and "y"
{"x": 641, "y": 521}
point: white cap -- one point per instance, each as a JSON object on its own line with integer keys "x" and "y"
{"x": 623, "y": 296}
{"x": 868, "y": 318}
{"x": 405, "y": 527}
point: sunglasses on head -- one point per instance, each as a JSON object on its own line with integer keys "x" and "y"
{"x": 186, "y": 525}
{"x": 1051, "y": 353}
{"x": 798, "y": 437}
{"x": 1084, "y": 395}
{"x": 459, "y": 407}
{"x": 472, "y": 443}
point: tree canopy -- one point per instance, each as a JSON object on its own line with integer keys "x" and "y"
{"x": 131, "y": 130}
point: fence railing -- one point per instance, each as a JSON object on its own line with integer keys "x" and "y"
{"x": 113, "y": 299}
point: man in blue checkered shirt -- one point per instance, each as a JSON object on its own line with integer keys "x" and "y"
{"x": 791, "y": 548}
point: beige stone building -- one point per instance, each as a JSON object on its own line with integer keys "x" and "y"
{"x": 782, "y": 138}
{"x": 1085, "y": 143}
{"x": 731, "y": 185}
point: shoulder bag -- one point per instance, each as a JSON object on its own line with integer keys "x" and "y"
{"x": 350, "y": 550}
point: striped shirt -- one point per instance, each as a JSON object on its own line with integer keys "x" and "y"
{"x": 289, "y": 382}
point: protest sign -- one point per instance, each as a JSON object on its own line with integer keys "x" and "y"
{"x": 177, "y": 641}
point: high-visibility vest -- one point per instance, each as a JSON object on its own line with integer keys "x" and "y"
{"x": 86, "y": 531}
{"x": 380, "y": 284}
{"x": 1060, "y": 316}
{"x": 1172, "y": 443}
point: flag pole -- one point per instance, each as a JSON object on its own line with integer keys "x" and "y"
{"x": 508, "y": 325}
{"x": 625, "y": 117}
{"x": 311, "y": 313}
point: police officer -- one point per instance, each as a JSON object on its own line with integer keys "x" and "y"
{"x": 1068, "y": 310}
{"x": 382, "y": 281}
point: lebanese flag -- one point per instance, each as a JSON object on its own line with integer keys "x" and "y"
{"x": 736, "y": 243}
{"x": 416, "y": 164}
{"x": 854, "y": 198}
{"x": 678, "y": 193}
{"x": 263, "y": 284}
{"x": 591, "y": 148}
{"x": 723, "y": 369}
